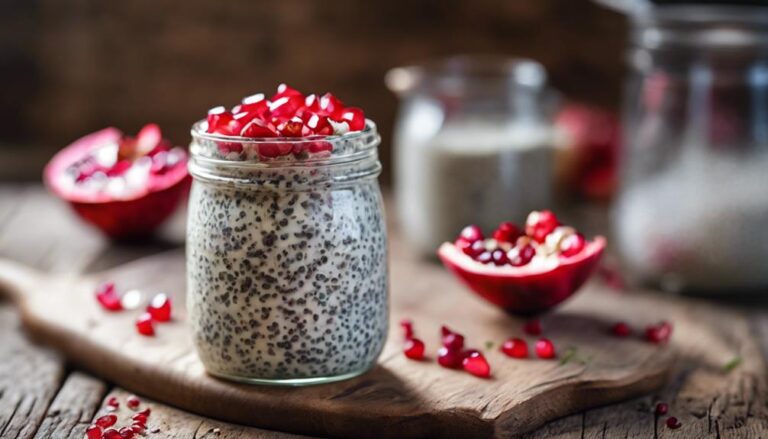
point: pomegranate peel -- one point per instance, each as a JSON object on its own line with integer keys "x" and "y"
{"x": 526, "y": 289}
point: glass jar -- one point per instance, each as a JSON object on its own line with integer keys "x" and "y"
{"x": 286, "y": 257}
{"x": 693, "y": 209}
{"x": 473, "y": 145}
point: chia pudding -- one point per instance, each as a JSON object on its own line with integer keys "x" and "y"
{"x": 287, "y": 256}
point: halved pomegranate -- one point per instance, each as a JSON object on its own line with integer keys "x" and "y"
{"x": 125, "y": 186}
{"x": 555, "y": 265}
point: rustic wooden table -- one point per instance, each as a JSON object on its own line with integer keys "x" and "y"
{"x": 42, "y": 396}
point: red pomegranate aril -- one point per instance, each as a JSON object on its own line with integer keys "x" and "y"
{"x": 506, "y": 232}
{"x": 217, "y": 117}
{"x": 254, "y": 104}
{"x": 414, "y": 349}
{"x": 258, "y": 128}
{"x": 312, "y": 103}
{"x": 320, "y": 146}
{"x": 485, "y": 258}
{"x": 449, "y": 358}
{"x": 139, "y": 418}
{"x": 111, "y": 433}
{"x": 515, "y": 348}
{"x": 138, "y": 428}
{"x": 662, "y": 408}
{"x": 145, "y": 412}
{"x": 476, "y": 364}
{"x": 540, "y": 224}
{"x": 532, "y": 327}
{"x": 572, "y": 245}
{"x": 113, "y": 402}
{"x": 285, "y": 106}
{"x": 453, "y": 341}
{"x": 106, "y": 421}
{"x": 127, "y": 433}
{"x": 319, "y": 125}
{"x": 291, "y": 128}
{"x": 444, "y": 330}
{"x": 519, "y": 256}
{"x": 471, "y": 233}
{"x": 621, "y": 329}
{"x": 331, "y": 105}
{"x": 144, "y": 325}
{"x": 286, "y": 90}
{"x": 673, "y": 423}
{"x": 93, "y": 432}
{"x": 108, "y": 298}
{"x": 659, "y": 333}
{"x": 545, "y": 349}
{"x": 499, "y": 257}
{"x": 354, "y": 117}
{"x": 160, "y": 309}
{"x": 133, "y": 401}
{"x": 407, "y": 326}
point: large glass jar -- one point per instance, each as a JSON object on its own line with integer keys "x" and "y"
{"x": 473, "y": 145}
{"x": 286, "y": 257}
{"x": 693, "y": 209}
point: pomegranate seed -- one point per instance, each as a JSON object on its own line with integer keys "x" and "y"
{"x": 444, "y": 330}
{"x": 108, "y": 298}
{"x": 258, "y": 128}
{"x": 133, "y": 401}
{"x": 448, "y": 358}
{"x": 476, "y": 364}
{"x": 285, "y": 90}
{"x": 515, "y": 348}
{"x": 354, "y": 117}
{"x": 139, "y": 418}
{"x": 316, "y": 147}
{"x": 545, "y": 349}
{"x": 312, "y": 103}
{"x": 111, "y": 433}
{"x": 93, "y": 432}
{"x": 255, "y": 104}
{"x": 519, "y": 256}
{"x": 113, "y": 402}
{"x": 317, "y": 124}
{"x": 540, "y": 224}
{"x": 407, "y": 326}
{"x": 673, "y": 423}
{"x": 532, "y": 327}
{"x": 138, "y": 428}
{"x": 572, "y": 245}
{"x": 475, "y": 249}
{"x": 662, "y": 408}
{"x": 145, "y": 412}
{"x": 160, "y": 308}
{"x": 144, "y": 325}
{"x": 621, "y": 329}
{"x": 453, "y": 341}
{"x": 414, "y": 349}
{"x": 291, "y": 128}
{"x": 471, "y": 233}
{"x": 499, "y": 257}
{"x": 285, "y": 106}
{"x": 485, "y": 258}
{"x": 331, "y": 105}
{"x": 658, "y": 333}
{"x": 127, "y": 433}
{"x": 106, "y": 421}
{"x": 506, "y": 232}
{"x": 218, "y": 117}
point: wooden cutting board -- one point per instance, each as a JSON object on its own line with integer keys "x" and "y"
{"x": 400, "y": 398}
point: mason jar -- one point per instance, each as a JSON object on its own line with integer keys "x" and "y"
{"x": 693, "y": 209}
{"x": 287, "y": 256}
{"x": 474, "y": 144}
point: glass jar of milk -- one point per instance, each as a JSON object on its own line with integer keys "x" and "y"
{"x": 473, "y": 144}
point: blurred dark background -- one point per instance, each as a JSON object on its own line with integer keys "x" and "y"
{"x": 70, "y": 67}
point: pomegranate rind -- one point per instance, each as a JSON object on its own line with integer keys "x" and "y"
{"x": 133, "y": 216}
{"x": 529, "y": 289}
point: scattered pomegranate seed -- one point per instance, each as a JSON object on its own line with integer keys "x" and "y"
{"x": 662, "y": 408}
{"x": 540, "y": 224}
{"x": 449, "y": 358}
{"x": 331, "y": 105}
{"x": 472, "y": 233}
{"x": 659, "y": 333}
{"x": 485, "y": 258}
{"x": 138, "y": 428}
{"x": 454, "y": 341}
{"x": 545, "y": 349}
{"x": 139, "y": 419}
{"x": 160, "y": 308}
{"x": 407, "y": 326}
{"x": 145, "y": 412}
{"x": 107, "y": 296}
{"x": 111, "y": 433}
{"x": 572, "y": 245}
{"x": 621, "y": 329}
{"x": 532, "y": 327}
{"x": 93, "y": 432}
{"x": 515, "y": 348}
{"x": 673, "y": 423}
{"x": 444, "y": 330}
{"x": 499, "y": 257}
{"x": 127, "y": 433}
{"x": 519, "y": 256}
{"x": 106, "y": 421}
{"x": 506, "y": 232}
{"x": 476, "y": 364}
{"x": 133, "y": 402}
{"x": 144, "y": 325}
{"x": 414, "y": 349}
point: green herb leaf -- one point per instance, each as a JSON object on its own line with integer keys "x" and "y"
{"x": 733, "y": 364}
{"x": 570, "y": 354}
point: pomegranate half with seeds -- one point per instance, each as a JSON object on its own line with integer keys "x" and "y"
{"x": 528, "y": 271}
{"x": 125, "y": 186}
